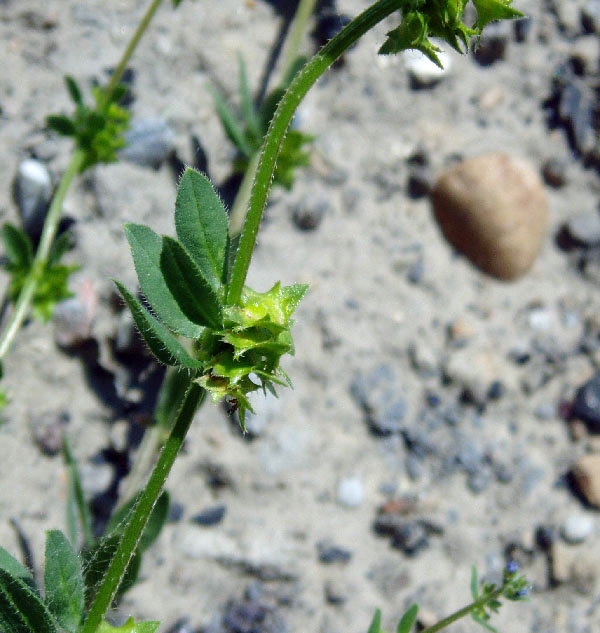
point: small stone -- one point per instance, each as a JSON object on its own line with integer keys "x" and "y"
{"x": 460, "y": 331}
{"x": 585, "y": 54}
{"x": 420, "y": 181}
{"x": 176, "y": 511}
{"x": 426, "y": 619}
{"x": 522, "y": 29}
{"x": 334, "y": 593}
{"x": 586, "y": 475}
{"x": 479, "y": 480}
{"x": 545, "y": 536}
{"x": 423, "y": 72}
{"x": 493, "y": 209}
{"x": 577, "y": 528}
{"x": 554, "y": 172}
{"x": 210, "y": 516}
{"x": 308, "y": 213}
{"x": 590, "y": 16}
{"x": 73, "y": 318}
{"x": 48, "y": 429}
{"x": 32, "y": 190}
{"x": 586, "y": 405}
{"x": 416, "y": 271}
{"x": 584, "y": 228}
{"x": 492, "y": 46}
{"x": 329, "y": 554}
{"x": 149, "y": 142}
{"x": 411, "y": 538}
{"x": 350, "y": 493}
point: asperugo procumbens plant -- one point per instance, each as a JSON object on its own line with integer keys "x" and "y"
{"x": 225, "y": 339}
{"x": 38, "y": 280}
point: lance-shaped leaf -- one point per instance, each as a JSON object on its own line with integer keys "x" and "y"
{"x": 201, "y": 224}
{"x": 490, "y": 10}
{"x": 196, "y": 297}
{"x": 146, "y": 247}
{"x": 375, "y": 626}
{"x": 408, "y": 619}
{"x": 18, "y": 246}
{"x": 13, "y": 567}
{"x": 63, "y": 581}
{"x": 167, "y": 349}
{"x": 21, "y": 609}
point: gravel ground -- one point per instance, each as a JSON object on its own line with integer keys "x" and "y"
{"x": 434, "y": 422}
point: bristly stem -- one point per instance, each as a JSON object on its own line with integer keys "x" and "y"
{"x": 143, "y": 509}
{"x": 25, "y": 298}
{"x": 277, "y": 129}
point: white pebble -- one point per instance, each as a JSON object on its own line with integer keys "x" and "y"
{"x": 350, "y": 492}
{"x": 423, "y": 70}
{"x": 577, "y": 528}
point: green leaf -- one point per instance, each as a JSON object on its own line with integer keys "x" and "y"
{"x": 201, "y": 224}
{"x": 130, "y": 626}
{"x": 167, "y": 349}
{"x": 187, "y": 283}
{"x": 375, "y": 626}
{"x": 21, "y": 609}
{"x": 73, "y": 89}
{"x": 63, "y": 581}
{"x": 411, "y": 34}
{"x": 77, "y": 507}
{"x": 230, "y": 124}
{"x": 491, "y": 10}
{"x": 483, "y": 623}
{"x": 18, "y": 247}
{"x": 474, "y": 584}
{"x": 176, "y": 3}
{"x": 247, "y": 105}
{"x": 408, "y": 619}
{"x": 96, "y": 561}
{"x": 146, "y": 247}
{"x": 156, "y": 521}
{"x": 170, "y": 397}
{"x": 52, "y": 288}
{"x": 61, "y": 124}
{"x": 60, "y": 246}
{"x": 13, "y": 567}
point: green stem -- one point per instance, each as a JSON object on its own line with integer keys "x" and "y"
{"x": 461, "y": 613}
{"x": 133, "y": 42}
{"x": 303, "y": 13}
{"x": 240, "y": 204}
{"x": 40, "y": 261}
{"x": 139, "y": 518}
{"x": 277, "y": 129}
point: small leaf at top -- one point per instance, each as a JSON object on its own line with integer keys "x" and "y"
{"x": 146, "y": 247}
{"x": 63, "y": 581}
{"x": 474, "y": 583}
{"x": 375, "y": 626}
{"x": 230, "y": 124}
{"x": 201, "y": 224}
{"x": 408, "y": 619}
{"x": 17, "y": 244}
{"x": 188, "y": 285}
{"x": 248, "y": 110}
{"x": 411, "y": 34}
{"x": 21, "y": 609}
{"x": 130, "y": 626}
{"x": 61, "y": 124}
{"x": 73, "y": 89}
{"x": 491, "y": 10}
{"x": 483, "y": 623}
{"x": 167, "y": 349}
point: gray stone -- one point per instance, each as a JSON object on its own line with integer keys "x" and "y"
{"x": 149, "y": 142}
{"x": 32, "y": 192}
{"x": 48, "y": 429}
{"x": 577, "y": 528}
{"x": 309, "y": 212}
{"x": 584, "y": 228}
{"x": 350, "y": 492}
{"x": 590, "y": 16}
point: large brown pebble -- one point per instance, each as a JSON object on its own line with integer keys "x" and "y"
{"x": 586, "y": 474}
{"x": 493, "y": 209}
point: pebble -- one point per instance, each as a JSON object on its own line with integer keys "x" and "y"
{"x": 423, "y": 72}
{"x": 577, "y": 528}
{"x": 96, "y": 478}
{"x": 329, "y": 553}
{"x": 335, "y": 594}
{"x": 149, "y": 142}
{"x": 493, "y": 209}
{"x": 585, "y": 53}
{"x": 210, "y": 516}
{"x": 586, "y": 476}
{"x": 522, "y": 29}
{"x": 73, "y": 318}
{"x": 48, "y": 429}
{"x": 554, "y": 172}
{"x": 492, "y": 46}
{"x": 590, "y": 16}
{"x": 584, "y": 229}
{"x": 586, "y": 405}
{"x": 545, "y": 536}
{"x": 309, "y": 212}
{"x": 416, "y": 271}
{"x": 378, "y": 395}
{"x": 350, "y": 492}
{"x": 32, "y": 189}
{"x": 420, "y": 181}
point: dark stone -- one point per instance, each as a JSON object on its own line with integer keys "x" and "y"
{"x": 492, "y": 45}
{"x": 590, "y": 16}
{"x": 411, "y": 538}
{"x": 176, "y": 511}
{"x": 329, "y": 24}
{"x": 554, "y": 172}
{"x": 334, "y": 593}
{"x": 329, "y": 554}
{"x": 48, "y": 430}
{"x": 522, "y": 29}
{"x": 584, "y": 229}
{"x": 586, "y": 405}
{"x": 496, "y": 390}
{"x": 309, "y": 213}
{"x": 420, "y": 182}
{"x": 252, "y": 616}
{"x": 416, "y": 271}
{"x": 545, "y": 536}
{"x": 210, "y": 516}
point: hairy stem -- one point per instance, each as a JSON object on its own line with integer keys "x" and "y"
{"x": 461, "y": 613}
{"x": 277, "y": 129}
{"x": 25, "y": 298}
{"x": 141, "y": 513}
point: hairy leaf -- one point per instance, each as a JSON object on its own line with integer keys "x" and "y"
{"x": 490, "y": 10}
{"x": 146, "y": 247}
{"x": 21, "y": 609}
{"x": 61, "y": 124}
{"x": 201, "y": 224}
{"x": 167, "y": 349}
{"x": 230, "y": 124}
{"x": 63, "y": 581}
{"x": 408, "y": 619}
{"x": 13, "y": 567}
{"x": 18, "y": 247}
{"x": 187, "y": 283}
